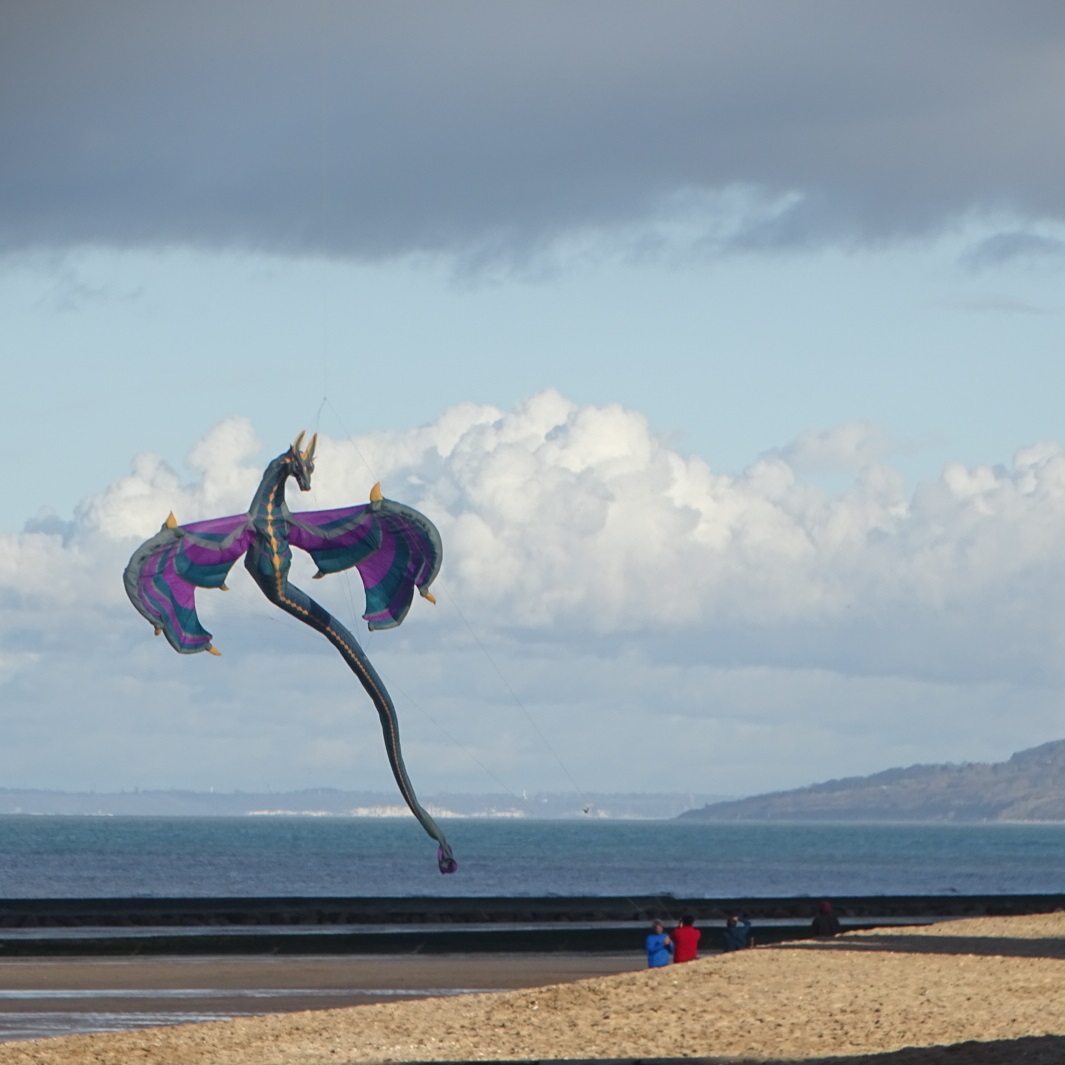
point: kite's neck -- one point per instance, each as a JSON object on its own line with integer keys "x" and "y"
{"x": 269, "y": 501}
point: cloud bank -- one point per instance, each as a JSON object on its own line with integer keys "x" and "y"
{"x": 598, "y": 589}
{"x": 383, "y": 129}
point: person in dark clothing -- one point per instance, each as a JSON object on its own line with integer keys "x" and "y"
{"x": 826, "y": 923}
{"x": 737, "y": 934}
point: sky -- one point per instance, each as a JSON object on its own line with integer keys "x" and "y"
{"x": 722, "y": 342}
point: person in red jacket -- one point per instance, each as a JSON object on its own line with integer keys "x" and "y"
{"x": 686, "y": 940}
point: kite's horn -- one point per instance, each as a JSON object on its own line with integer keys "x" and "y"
{"x": 299, "y": 440}
{"x": 308, "y": 455}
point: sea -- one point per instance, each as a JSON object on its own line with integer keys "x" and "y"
{"x": 119, "y": 857}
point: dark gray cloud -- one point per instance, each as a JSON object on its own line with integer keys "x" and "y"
{"x": 373, "y": 129}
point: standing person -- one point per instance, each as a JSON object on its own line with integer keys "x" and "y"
{"x": 659, "y": 947}
{"x": 826, "y": 923}
{"x": 686, "y": 940}
{"x": 737, "y": 934}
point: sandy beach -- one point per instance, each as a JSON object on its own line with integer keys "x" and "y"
{"x": 977, "y": 992}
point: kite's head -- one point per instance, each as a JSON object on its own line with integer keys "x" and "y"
{"x": 301, "y": 463}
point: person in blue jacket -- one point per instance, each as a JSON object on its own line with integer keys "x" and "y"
{"x": 659, "y": 947}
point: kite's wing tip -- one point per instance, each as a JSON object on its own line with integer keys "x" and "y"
{"x": 213, "y": 650}
{"x": 429, "y": 596}
{"x": 376, "y": 494}
{"x": 171, "y": 521}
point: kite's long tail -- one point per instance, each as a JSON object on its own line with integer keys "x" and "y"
{"x": 300, "y": 605}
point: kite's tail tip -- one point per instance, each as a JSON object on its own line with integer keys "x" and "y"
{"x": 445, "y": 861}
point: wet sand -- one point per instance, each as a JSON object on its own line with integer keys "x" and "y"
{"x": 250, "y": 985}
{"x": 973, "y": 992}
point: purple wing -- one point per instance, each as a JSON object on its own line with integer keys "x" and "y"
{"x": 165, "y": 571}
{"x": 394, "y": 547}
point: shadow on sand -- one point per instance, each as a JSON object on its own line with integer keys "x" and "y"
{"x": 989, "y": 946}
{"x": 1029, "y": 1050}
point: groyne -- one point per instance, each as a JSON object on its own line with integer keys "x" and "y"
{"x": 398, "y": 925}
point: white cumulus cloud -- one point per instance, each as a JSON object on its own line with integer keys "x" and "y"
{"x": 597, "y": 585}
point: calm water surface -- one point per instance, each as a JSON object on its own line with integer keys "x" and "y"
{"x": 55, "y": 857}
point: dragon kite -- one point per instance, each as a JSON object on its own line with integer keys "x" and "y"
{"x": 394, "y": 547}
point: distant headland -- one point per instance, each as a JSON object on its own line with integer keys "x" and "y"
{"x": 1030, "y": 786}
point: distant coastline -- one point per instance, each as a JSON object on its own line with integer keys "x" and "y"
{"x": 1027, "y": 788}
{"x": 335, "y": 802}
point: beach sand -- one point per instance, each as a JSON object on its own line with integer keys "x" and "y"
{"x": 975, "y": 992}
